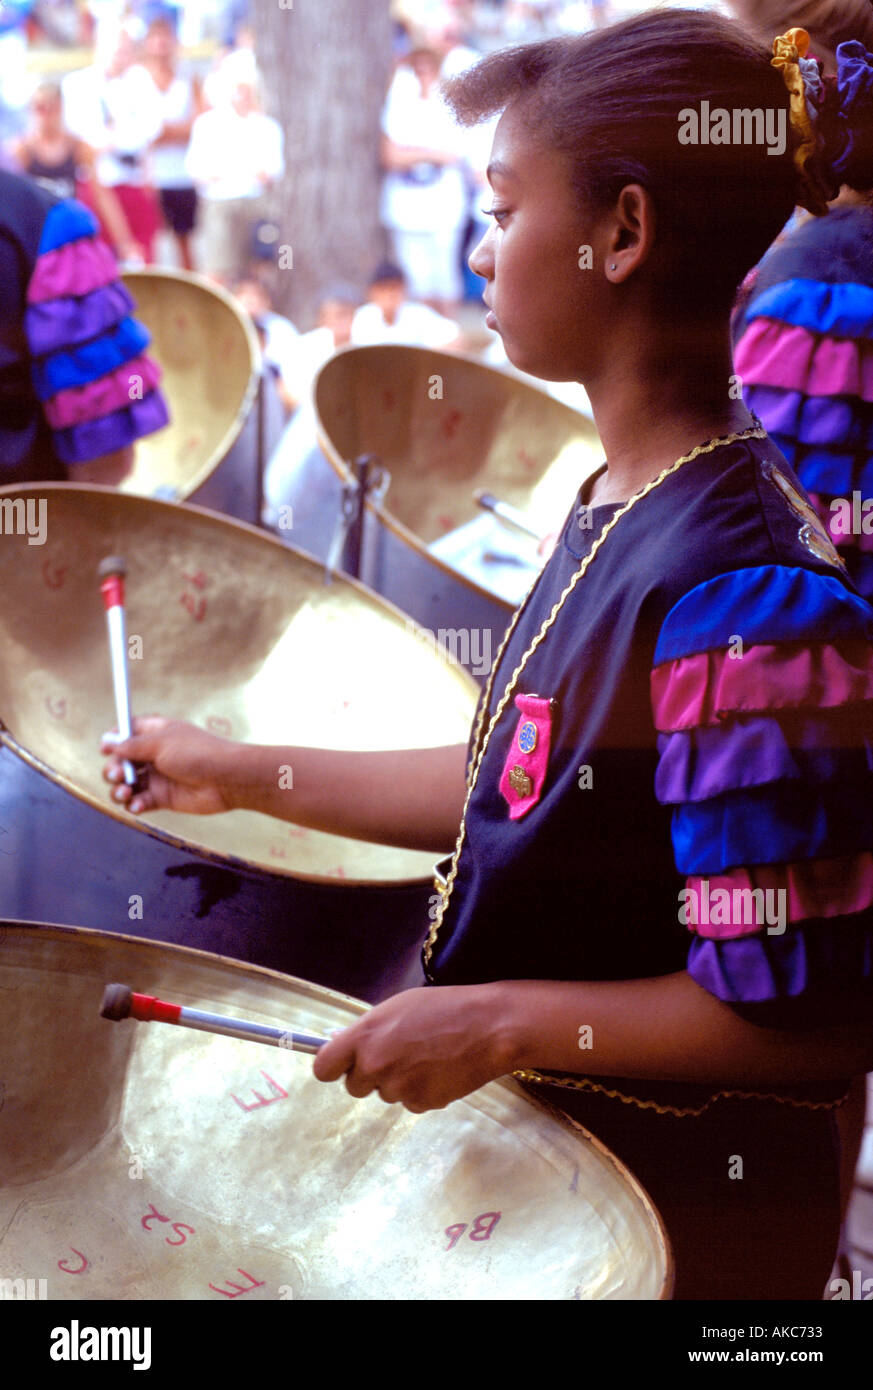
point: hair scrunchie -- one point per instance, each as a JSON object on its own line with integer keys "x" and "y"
{"x": 854, "y": 94}
{"x": 804, "y": 90}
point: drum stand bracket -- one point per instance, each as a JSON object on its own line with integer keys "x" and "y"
{"x": 367, "y": 481}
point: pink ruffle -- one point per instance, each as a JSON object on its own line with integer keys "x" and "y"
{"x": 813, "y": 888}
{"x": 72, "y": 270}
{"x": 710, "y": 686}
{"x": 81, "y": 404}
{"x": 771, "y": 353}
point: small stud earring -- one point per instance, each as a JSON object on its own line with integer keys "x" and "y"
{"x": 612, "y": 267}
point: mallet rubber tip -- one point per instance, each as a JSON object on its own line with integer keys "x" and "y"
{"x": 116, "y": 1002}
{"x": 113, "y": 564}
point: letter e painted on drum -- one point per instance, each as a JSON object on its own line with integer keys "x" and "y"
{"x": 286, "y": 257}
{"x": 435, "y": 387}
{"x": 735, "y": 1166}
{"x": 286, "y": 777}
{"x": 134, "y": 910}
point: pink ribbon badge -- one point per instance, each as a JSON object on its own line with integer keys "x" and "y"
{"x": 524, "y": 771}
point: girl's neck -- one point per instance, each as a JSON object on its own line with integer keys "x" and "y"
{"x": 654, "y": 405}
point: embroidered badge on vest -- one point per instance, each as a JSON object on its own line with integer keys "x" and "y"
{"x": 524, "y": 771}
{"x": 813, "y": 534}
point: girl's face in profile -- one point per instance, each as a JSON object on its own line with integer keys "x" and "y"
{"x": 548, "y": 309}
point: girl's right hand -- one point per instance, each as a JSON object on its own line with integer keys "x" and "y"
{"x": 187, "y": 768}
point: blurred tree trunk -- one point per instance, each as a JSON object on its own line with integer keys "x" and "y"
{"x": 326, "y": 66}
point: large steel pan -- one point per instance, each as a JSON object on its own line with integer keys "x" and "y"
{"x": 207, "y": 348}
{"x": 145, "y": 1161}
{"x": 239, "y": 634}
{"x": 445, "y": 426}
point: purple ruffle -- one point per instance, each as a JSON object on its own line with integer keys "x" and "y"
{"x": 58, "y": 324}
{"x": 696, "y": 764}
{"x": 805, "y": 958}
{"x": 855, "y": 88}
{"x": 95, "y": 438}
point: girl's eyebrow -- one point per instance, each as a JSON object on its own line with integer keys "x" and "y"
{"x": 502, "y": 170}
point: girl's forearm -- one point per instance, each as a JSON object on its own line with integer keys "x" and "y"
{"x": 411, "y": 798}
{"x": 666, "y": 1028}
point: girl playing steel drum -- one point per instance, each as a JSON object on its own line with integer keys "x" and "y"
{"x": 659, "y": 909}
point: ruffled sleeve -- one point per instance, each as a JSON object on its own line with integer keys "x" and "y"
{"x": 805, "y": 359}
{"x": 762, "y": 694}
{"x": 99, "y": 390}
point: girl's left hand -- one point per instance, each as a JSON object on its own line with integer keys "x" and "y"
{"x": 425, "y": 1047}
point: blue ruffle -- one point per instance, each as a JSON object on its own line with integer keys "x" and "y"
{"x": 766, "y": 604}
{"x": 819, "y": 957}
{"x": 91, "y": 361}
{"x": 775, "y": 824}
{"x": 841, "y": 311}
{"x": 66, "y": 221}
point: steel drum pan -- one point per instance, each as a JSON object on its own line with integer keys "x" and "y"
{"x": 144, "y": 1161}
{"x": 207, "y": 348}
{"x": 443, "y": 426}
{"x": 239, "y": 634}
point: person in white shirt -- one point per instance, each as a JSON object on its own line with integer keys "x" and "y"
{"x": 390, "y": 317}
{"x": 112, "y": 106}
{"x": 278, "y": 336}
{"x": 424, "y": 196}
{"x": 180, "y": 100}
{"x": 235, "y": 156}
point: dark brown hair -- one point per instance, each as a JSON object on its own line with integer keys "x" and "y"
{"x": 610, "y": 100}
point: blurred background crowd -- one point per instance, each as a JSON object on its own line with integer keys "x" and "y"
{"x": 154, "y": 115}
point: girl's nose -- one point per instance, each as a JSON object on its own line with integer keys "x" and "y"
{"x": 481, "y": 258}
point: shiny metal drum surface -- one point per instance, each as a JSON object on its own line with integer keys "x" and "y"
{"x": 207, "y": 348}
{"x": 238, "y": 633}
{"x": 147, "y": 1161}
{"x": 445, "y": 426}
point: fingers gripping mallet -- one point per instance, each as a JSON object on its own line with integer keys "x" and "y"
{"x": 119, "y": 1002}
{"x": 111, "y": 572}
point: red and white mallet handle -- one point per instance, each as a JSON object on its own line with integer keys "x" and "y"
{"x": 111, "y": 572}
{"x": 119, "y": 1001}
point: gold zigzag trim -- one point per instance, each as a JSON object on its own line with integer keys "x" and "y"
{"x": 584, "y": 1084}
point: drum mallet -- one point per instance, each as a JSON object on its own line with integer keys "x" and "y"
{"x": 119, "y": 1001}
{"x": 111, "y": 572}
{"x": 510, "y": 516}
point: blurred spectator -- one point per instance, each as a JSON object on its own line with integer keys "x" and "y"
{"x": 66, "y": 413}
{"x": 180, "y": 101}
{"x": 50, "y": 154}
{"x": 390, "y": 317}
{"x": 424, "y": 198}
{"x": 113, "y": 106}
{"x": 235, "y": 157}
{"x": 234, "y": 64}
{"x": 278, "y": 337}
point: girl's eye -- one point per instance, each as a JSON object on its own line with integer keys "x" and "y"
{"x": 496, "y": 213}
